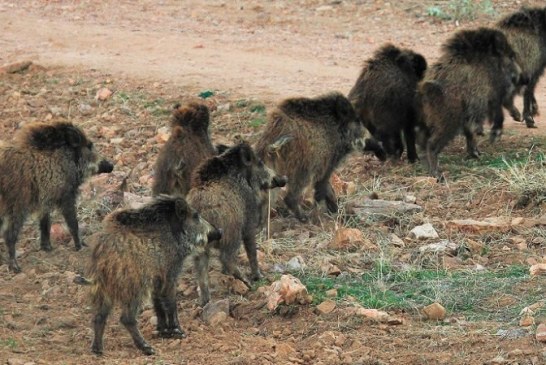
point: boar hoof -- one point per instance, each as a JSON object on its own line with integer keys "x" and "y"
{"x": 516, "y": 115}
{"x": 14, "y": 267}
{"x": 147, "y": 350}
{"x": 96, "y": 350}
{"x": 46, "y": 247}
{"x": 530, "y": 122}
{"x": 178, "y": 333}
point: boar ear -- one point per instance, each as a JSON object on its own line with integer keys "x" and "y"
{"x": 246, "y": 154}
{"x": 181, "y": 208}
{"x": 74, "y": 137}
{"x": 419, "y": 65}
{"x": 344, "y": 110}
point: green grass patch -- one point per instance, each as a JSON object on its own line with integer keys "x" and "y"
{"x": 476, "y": 294}
{"x": 10, "y": 343}
{"x": 257, "y": 122}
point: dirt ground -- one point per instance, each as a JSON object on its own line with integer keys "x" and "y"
{"x": 153, "y": 54}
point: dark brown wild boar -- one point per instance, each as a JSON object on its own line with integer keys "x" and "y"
{"x": 526, "y": 33}
{"x": 384, "y": 98}
{"x": 42, "y": 170}
{"x": 140, "y": 252}
{"x": 306, "y": 139}
{"x": 467, "y": 85}
{"x": 188, "y": 146}
{"x": 227, "y": 192}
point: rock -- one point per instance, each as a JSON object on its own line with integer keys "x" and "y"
{"x": 326, "y": 307}
{"x": 163, "y": 135}
{"x": 475, "y": 247}
{"x": 396, "y": 241}
{"x": 526, "y": 321}
{"x": 284, "y": 350}
{"x": 15, "y": 67}
{"x": 103, "y": 94}
{"x": 384, "y": 207}
{"x": 374, "y": 314}
{"x": 236, "y": 286}
{"x": 350, "y": 238}
{"x": 117, "y": 140}
{"x": 212, "y": 309}
{"x": 296, "y": 263}
{"x": 541, "y": 333}
{"x": 288, "y": 290}
{"x": 59, "y": 233}
{"x": 434, "y": 312}
{"x": 217, "y": 318}
{"x": 497, "y": 224}
{"x": 332, "y": 293}
{"x": 411, "y": 199}
{"x": 85, "y": 109}
{"x": 15, "y": 361}
{"x": 330, "y": 269}
{"x": 393, "y": 321}
{"x": 224, "y": 107}
{"x": 153, "y": 321}
{"x": 423, "y": 232}
{"x": 444, "y": 246}
{"x": 339, "y": 186}
{"x": 538, "y": 269}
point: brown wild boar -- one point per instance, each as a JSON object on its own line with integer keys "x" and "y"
{"x": 41, "y": 170}
{"x": 140, "y": 252}
{"x": 226, "y": 191}
{"x": 188, "y": 146}
{"x": 467, "y": 85}
{"x": 384, "y": 98}
{"x": 526, "y": 33}
{"x": 306, "y": 139}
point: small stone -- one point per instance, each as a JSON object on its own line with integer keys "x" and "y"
{"x": 410, "y": 199}
{"x": 153, "y": 320}
{"x": 394, "y": 321}
{"x": 538, "y": 269}
{"x": 117, "y": 140}
{"x": 375, "y": 314}
{"x": 85, "y": 109}
{"x": 514, "y": 353}
{"x": 288, "y": 290}
{"x": 526, "y": 321}
{"x": 396, "y": 241}
{"x": 326, "y": 307}
{"x": 15, "y": 361}
{"x": 423, "y": 232}
{"x": 217, "y": 318}
{"x": 103, "y": 94}
{"x": 435, "y": 312}
{"x": 59, "y": 234}
{"x": 348, "y": 238}
{"x": 237, "y": 286}
{"x": 213, "y": 308}
{"x": 332, "y": 293}
{"x": 440, "y": 247}
{"x": 384, "y": 207}
{"x": 284, "y": 350}
{"x": 541, "y": 333}
{"x": 497, "y": 224}
{"x": 296, "y": 263}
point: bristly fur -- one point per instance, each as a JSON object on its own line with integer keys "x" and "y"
{"x": 194, "y": 116}
{"x": 319, "y": 109}
{"x": 472, "y": 45}
{"x": 164, "y": 208}
{"x": 43, "y": 136}
{"x": 530, "y": 19}
{"x": 220, "y": 166}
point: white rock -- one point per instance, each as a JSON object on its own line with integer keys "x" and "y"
{"x": 296, "y": 263}
{"x": 423, "y": 232}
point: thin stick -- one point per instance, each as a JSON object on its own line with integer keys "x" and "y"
{"x": 268, "y": 212}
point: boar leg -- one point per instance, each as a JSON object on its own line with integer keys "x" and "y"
{"x": 159, "y": 309}
{"x": 128, "y": 319}
{"x": 250, "y": 247}
{"x": 68, "y": 209}
{"x": 324, "y": 191}
{"x": 497, "y": 118}
{"x": 171, "y": 310}
{"x": 201, "y": 264}
{"x": 228, "y": 258}
{"x": 45, "y": 227}
{"x": 471, "y": 146}
{"x": 99, "y": 324}
{"x": 293, "y": 196}
{"x": 528, "y": 98}
{"x": 14, "y": 225}
{"x": 409, "y": 136}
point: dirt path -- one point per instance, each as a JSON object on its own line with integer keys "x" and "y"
{"x": 225, "y": 50}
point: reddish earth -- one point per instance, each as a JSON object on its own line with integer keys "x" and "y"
{"x": 153, "y": 54}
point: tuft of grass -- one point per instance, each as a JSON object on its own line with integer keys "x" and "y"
{"x": 460, "y": 10}
{"x": 10, "y": 343}
{"x": 257, "y": 122}
{"x": 526, "y": 179}
{"x": 465, "y": 292}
